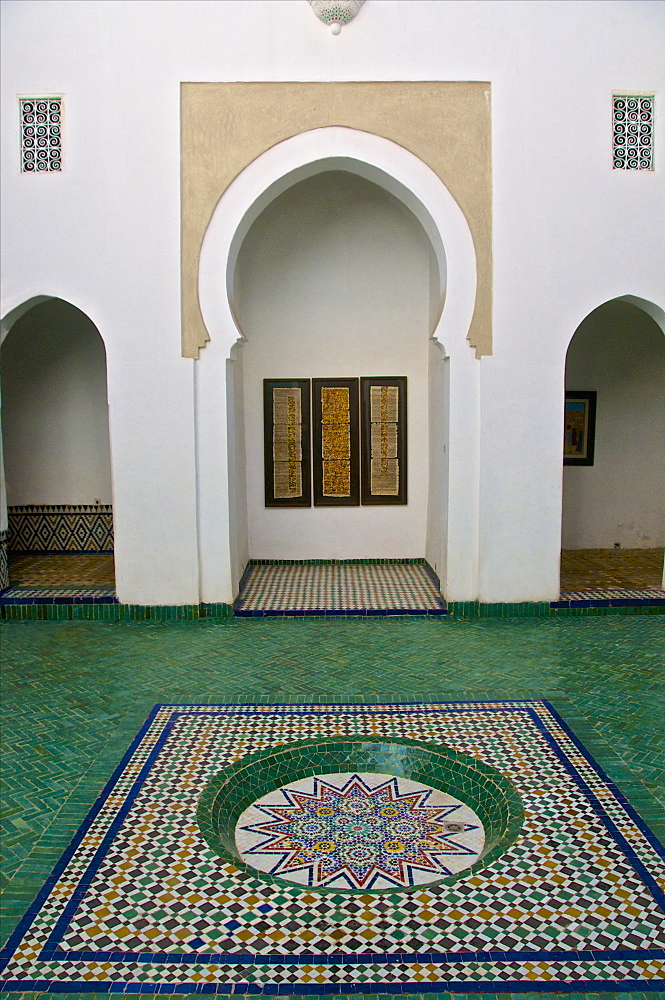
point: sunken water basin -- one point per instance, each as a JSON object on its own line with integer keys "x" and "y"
{"x": 358, "y": 816}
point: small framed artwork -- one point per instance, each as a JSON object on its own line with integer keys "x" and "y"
{"x": 336, "y": 442}
{"x": 384, "y": 440}
{"x": 579, "y": 428}
{"x": 286, "y": 442}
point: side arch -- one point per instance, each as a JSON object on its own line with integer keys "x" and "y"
{"x": 54, "y": 427}
{"x": 617, "y": 350}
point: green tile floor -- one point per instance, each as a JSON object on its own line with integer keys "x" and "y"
{"x": 75, "y": 694}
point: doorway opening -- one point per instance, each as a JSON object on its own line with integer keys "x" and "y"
{"x": 58, "y": 506}
{"x": 335, "y": 279}
{"x": 613, "y": 520}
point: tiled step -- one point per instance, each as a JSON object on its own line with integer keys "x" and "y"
{"x": 345, "y": 588}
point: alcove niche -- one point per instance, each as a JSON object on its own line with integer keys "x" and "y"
{"x": 336, "y": 278}
{"x": 618, "y": 352}
{"x": 55, "y": 462}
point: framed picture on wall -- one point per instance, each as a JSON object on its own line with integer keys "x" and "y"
{"x": 336, "y": 442}
{"x": 383, "y": 440}
{"x": 286, "y": 442}
{"x": 579, "y": 428}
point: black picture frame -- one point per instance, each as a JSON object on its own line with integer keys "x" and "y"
{"x": 322, "y": 497}
{"x": 579, "y": 434}
{"x": 270, "y": 466}
{"x": 369, "y": 494}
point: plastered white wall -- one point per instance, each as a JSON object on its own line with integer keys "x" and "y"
{"x": 55, "y": 410}
{"x": 619, "y": 352}
{"x": 436, "y": 549}
{"x": 333, "y": 281}
{"x": 569, "y": 232}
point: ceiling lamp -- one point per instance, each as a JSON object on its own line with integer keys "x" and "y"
{"x": 335, "y": 13}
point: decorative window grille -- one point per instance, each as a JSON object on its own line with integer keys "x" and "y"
{"x": 41, "y": 134}
{"x": 633, "y": 131}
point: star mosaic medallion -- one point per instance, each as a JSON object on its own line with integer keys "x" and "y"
{"x": 455, "y": 847}
{"x": 359, "y": 831}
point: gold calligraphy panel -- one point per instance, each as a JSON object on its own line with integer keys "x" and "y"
{"x": 336, "y": 441}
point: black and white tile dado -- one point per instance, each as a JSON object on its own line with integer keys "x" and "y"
{"x": 141, "y": 902}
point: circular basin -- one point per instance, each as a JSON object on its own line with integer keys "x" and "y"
{"x": 358, "y": 816}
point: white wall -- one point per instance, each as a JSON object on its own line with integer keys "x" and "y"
{"x": 55, "y": 410}
{"x": 569, "y": 232}
{"x": 333, "y": 280}
{"x": 619, "y": 352}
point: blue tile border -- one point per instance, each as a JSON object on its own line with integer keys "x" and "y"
{"x": 46, "y": 599}
{"x": 611, "y": 602}
{"x": 340, "y": 613}
{"x": 405, "y": 989}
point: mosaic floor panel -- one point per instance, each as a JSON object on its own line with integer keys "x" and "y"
{"x": 58, "y": 595}
{"x": 612, "y": 570}
{"x": 61, "y": 569}
{"x": 613, "y": 594}
{"x": 396, "y": 587}
{"x": 66, "y": 578}
{"x": 143, "y": 900}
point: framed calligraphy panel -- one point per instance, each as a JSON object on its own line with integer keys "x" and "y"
{"x": 384, "y": 471}
{"x": 336, "y": 440}
{"x": 286, "y": 438}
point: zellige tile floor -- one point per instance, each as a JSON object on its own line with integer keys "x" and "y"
{"x": 62, "y": 570}
{"x": 77, "y": 693}
{"x": 360, "y": 879}
{"x": 353, "y": 587}
{"x": 585, "y": 573}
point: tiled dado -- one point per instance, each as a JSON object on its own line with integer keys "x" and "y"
{"x": 4, "y": 561}
{"x": 61, "y": 528}
{"x": 151, "y": 895}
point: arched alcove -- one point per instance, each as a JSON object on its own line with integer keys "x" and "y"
{"x": 336, "y": 278}
{"x": 396, "y": 178}
{"x": 55, "y": 430}
{"x": 618, "y": 352}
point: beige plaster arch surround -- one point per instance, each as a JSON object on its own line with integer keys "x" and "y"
{"x": 225, "y": 126}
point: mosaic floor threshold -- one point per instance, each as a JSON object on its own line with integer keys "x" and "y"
{"x": 155, "y": 893}
{"x": 58, "y": 595}
{"x": 599, "y": 597}
{"x": 339, "y": 588}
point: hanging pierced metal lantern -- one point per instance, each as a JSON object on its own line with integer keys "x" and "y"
{"x": 335, "y": 13}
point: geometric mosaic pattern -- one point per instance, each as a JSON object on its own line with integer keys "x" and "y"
{"x": 4, "y": 561}
{"x": 359, "y": 831}
{"x": 614, "y": 594}
{"x": 58, "y": 595}
{"x": 611, "y": 569}
{"x": 61, "y": 528}
{"x": 140, "y": 903}
{"x": 343, "y": 587}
